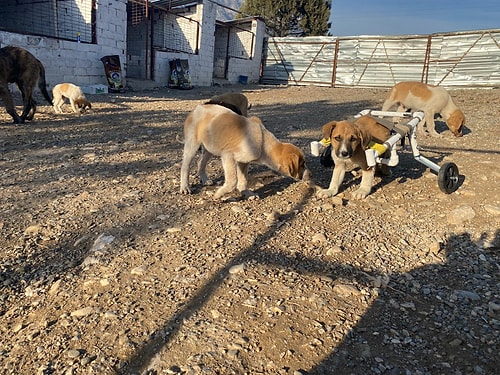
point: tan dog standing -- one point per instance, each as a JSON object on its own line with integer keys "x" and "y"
{"x": 349, "y": 141}
{"x": 75, "y": 95}
{"x": 238, "y": 140}
{"x": 236, "y": 102}
{"x": 429, "y": 99}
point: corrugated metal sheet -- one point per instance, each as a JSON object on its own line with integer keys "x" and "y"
{"x": 465, "y": 59}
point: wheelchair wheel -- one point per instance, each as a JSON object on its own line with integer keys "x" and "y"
{"x": 448, "y": 178}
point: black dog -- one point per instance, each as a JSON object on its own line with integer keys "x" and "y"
{"x": 22, "y": 68}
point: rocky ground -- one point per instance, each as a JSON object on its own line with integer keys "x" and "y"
{"x": 106, "y": 269}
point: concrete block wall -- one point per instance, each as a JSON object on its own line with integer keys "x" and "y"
{"x": 201, "y": 65}
{"x": 249, "y": 68}
{"x": 79, "y": 63}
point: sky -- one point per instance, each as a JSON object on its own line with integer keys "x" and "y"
{"x": 403, "y": 17}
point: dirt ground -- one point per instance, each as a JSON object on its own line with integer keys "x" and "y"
{"x": 105, "y": 268}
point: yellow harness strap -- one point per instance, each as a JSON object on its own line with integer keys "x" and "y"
{"x": 377, "y": 147}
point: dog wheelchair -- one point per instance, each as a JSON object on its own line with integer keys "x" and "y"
{"x": 386, "y": 153}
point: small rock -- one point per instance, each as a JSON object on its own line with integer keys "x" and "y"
{"x": 110, "y": 315}
{"x": 33, "y": 230}
{"x": 408, "y": 305}
{"x": 237, "y": 268}
{"x": 55, "y": 287}
{"x": 86, "y": 360}
{"x": 237, "y": 209}
{"x": 101, "y": 242}
{"x": 80, "y": 240}
{"x": 29, "y": 291}
{"x": 73, "y": 353}
{"x": 334, "y": 250}
{"x": 435, "y": 248}
{"x": 455, "y": 343}
{"x": 88, "y": 261}
{"x": 337, "y": 201}
{"x": 141, "y": 270}
{"x": 467, "y": 294}
{"x": 173, "y": 230}
{"x": 17, "y": 327}
{"x": 494, "y": 307}
{"x": 319, "y": 237}
{"x": 327, "y": 207}
{"x": 273, "y": 216}
{"x": 460, "y": 215}
{"x": 82, "y": 312}
{"x": 493, "y": 210}
{"x": 346, "y": 290}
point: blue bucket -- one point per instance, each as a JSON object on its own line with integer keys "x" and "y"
{"x": 243, "y": 80}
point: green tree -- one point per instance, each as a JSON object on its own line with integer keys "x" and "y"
{"x": 315, "y": 20}
{"x": 291, "y": 17}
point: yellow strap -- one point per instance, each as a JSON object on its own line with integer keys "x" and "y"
{"x": 377, "y": 147}
{"x": 325, "y": 141}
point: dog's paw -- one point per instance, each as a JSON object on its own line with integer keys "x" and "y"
{"x": 248, "y": 194}
{"x": 435, "y": 134}
{"x": 326, "y": 193}
{"x": 220, "y": 192}
{"x": 360, "y": 193}
{"x": 185, "y": 190}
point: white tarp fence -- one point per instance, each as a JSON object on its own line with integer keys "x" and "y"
{"x": 461, "y": 59}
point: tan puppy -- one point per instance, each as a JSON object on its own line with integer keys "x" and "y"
{"x": 349, "y": 141}
{"x": 75, "y": 95}
{"x": 238, "y": 140}
{"x": 431, "y": 100}
{"x": 236, "y": 102}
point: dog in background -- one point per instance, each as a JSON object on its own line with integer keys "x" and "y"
{"x": 22, "y": 68}
{"x": 349, "y": 141}
{"x": 77, "y": 99}
{"x": 236, "y": 102}
{"x": 430, "y": 99}
{"x": 238, "y": 140}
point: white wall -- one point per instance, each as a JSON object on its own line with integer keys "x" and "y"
{"x": 249, "y": 68}
{"x": 79, "y": 63}
{"x": 200, "y": 65}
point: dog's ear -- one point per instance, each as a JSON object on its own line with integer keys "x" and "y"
{"x": 293, "y": 162}
{"x": 292, "y": 166}
{"x": 364, "y": 137}
{"x": 328, "y": 128}
{"x": 289, "y": 165}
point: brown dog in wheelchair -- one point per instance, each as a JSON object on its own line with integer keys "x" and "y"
{"x": 22, "y": 68}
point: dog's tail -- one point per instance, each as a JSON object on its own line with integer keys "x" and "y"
{"x": 42, "y": 84}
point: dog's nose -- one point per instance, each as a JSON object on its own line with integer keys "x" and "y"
{"x": 344, "y": 154}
